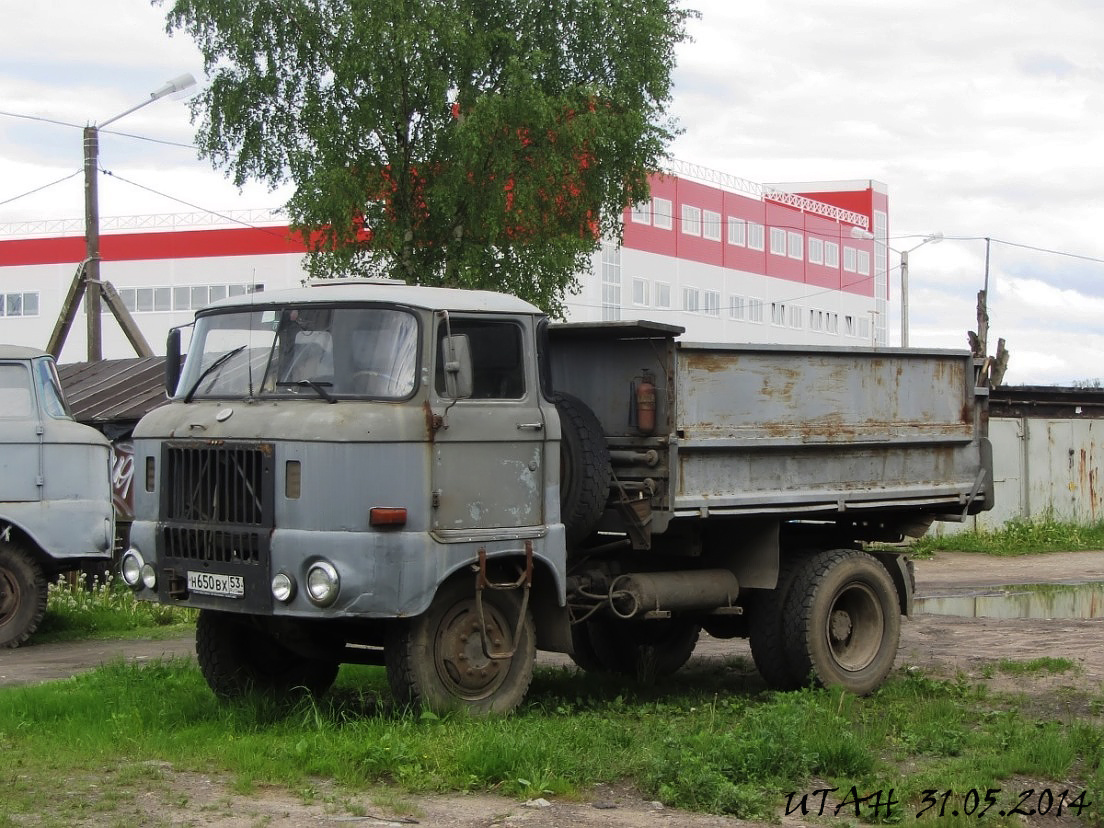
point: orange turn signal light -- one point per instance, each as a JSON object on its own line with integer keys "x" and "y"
{"x": 387, "y": 516}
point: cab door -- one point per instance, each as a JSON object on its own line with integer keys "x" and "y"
{"x": 489, "y": 450}
{"x": 20, "y": 435}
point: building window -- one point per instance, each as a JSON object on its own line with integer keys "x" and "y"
{"x": 611, "y": 282}
{"x": 737, "y": 232}
{"x": 797, "y": 317}
{"x": 831, "y": 323}
{"x": 864, "y": 328}
{"x": 691, "y": 220}
{"x": 796, "y": 245}
{"x": 641, "y": 213}
{"x": 662, "y": 295}
{"x": 816, "y": 251}
{"x": 661, "y": 213}
{"x": 778, "y": 241}
{"x": 735, "y": 307}
{"x": 755, "y": 236}
{"x": 755, "y": 310}
{"x": 690, "y": 300}
{"x": 849, "y": 325}
{"x": 778, "y": 313}
{"x": 640, "y": 291}
{"x": 831, "y": 254}
{"x": 19, "y": 304}
{"x": 816, "y": 320}
{"x": 849, "y": 259}
{"x": 711, "y": 225}
{"x": 863, "y": 264}
{"x": 712, "y": 304}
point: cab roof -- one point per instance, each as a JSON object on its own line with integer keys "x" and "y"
{"x": 20, "y": 352}
{"x": 342, "y": 291}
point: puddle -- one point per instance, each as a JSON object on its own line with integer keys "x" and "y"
{"x": 1019, "y": 601}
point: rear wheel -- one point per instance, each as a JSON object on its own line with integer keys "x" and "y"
{"x": 766, "y": 624}
{"x": 23, "y": 591}
{"x": 437, "y": 659}
{"x": 644, "y": 650}
{"x": 843, "y": 621}
{"x": 236, "y": 657}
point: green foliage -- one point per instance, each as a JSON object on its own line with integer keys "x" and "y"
{"x": 485, "y": 145}
{"x": 106, "y": 606}
{"x": 1018, "y": 537}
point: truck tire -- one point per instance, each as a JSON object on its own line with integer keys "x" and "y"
{"x": 436, "y": 659}
{"x": 585, "y": 468}
{"x": 766, "y": 632}
{"x": 644, "y": 650}
{"x": 23, "y": 591}
{"x": 237, "y": 658}
{"x": 842, "y": 621}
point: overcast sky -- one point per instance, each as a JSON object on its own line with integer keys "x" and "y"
{"x": 983, "y": 119}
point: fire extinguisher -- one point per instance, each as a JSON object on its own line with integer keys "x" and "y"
{"x": 645, "y": 403}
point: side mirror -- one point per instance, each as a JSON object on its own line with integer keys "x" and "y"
{"x": 456, "y": 358}
{"x": 172, "y": 361}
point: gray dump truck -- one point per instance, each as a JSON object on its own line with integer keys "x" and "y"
{"x": 55, "y": 490}
{"x": 442, "y": 482}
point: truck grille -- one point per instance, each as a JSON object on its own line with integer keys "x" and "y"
{"x": 217, "y": 502}
{"x": 218, "y": 484}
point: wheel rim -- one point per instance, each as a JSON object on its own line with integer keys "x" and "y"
{"x": 463, "y": 668}
{"x": 9, "y": 596}
{"x": 855, "y": 627}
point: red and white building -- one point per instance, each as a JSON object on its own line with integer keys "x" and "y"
{"x": 729, "y": 260}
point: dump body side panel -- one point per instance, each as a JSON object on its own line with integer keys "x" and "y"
{"x": 826, "y": 430}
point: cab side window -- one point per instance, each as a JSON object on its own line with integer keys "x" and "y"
{"x": 16, "y": 401}
{"x": 498, "y": 358}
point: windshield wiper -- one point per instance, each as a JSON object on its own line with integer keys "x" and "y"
{"x": 319, "y": 388}
{"x": 218, "y": 363}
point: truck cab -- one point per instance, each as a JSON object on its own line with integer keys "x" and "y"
{"x": 55, "y": 490}
{"x": 330, "y": 458}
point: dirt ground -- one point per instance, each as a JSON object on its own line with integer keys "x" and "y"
{"x": 941, "y": 645}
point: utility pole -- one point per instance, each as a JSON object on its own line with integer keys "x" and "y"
{"x": 92, "y": 243}
{"x": 91, "y": 276}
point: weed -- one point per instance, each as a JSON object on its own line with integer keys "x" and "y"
{"x": 102, "y": 607}
{"x": 1020, "y": 536}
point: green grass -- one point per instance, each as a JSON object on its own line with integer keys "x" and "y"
{"x": 1017, "y": 537}
{"x": 690, "y": 742}
{"x": 106, "y": 608}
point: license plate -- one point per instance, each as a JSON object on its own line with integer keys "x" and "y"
{"x": 212, "y": 583}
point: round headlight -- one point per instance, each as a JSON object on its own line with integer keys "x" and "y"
{"x": 322, "y": 583}
{"x": 131, "y": 567}
{"x": 283, "y": 587}
{"x": 149, "y": 576}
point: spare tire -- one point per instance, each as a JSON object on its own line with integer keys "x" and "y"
{"x": 585, "y": 470}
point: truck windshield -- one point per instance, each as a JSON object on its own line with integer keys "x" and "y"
{"x": 303, "y": 351}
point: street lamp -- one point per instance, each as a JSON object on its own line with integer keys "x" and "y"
{"x": 92, "y": 213}
{"x": 933, "y": 238}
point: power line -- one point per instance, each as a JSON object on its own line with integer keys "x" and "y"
{"x": 103, "y": 131}
{"x": 40, "y": 189}
{"x": 223, "y": 216}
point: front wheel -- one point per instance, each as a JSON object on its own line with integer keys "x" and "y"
{"x": 843, "y": 621}
{"x": 23, "y": 591}
{"x": 439, "y": 659}
{"x": 236, "y": 657}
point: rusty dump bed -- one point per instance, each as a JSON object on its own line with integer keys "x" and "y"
{"x": 796, "y": 430}
{"x": 838, "y": 429}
